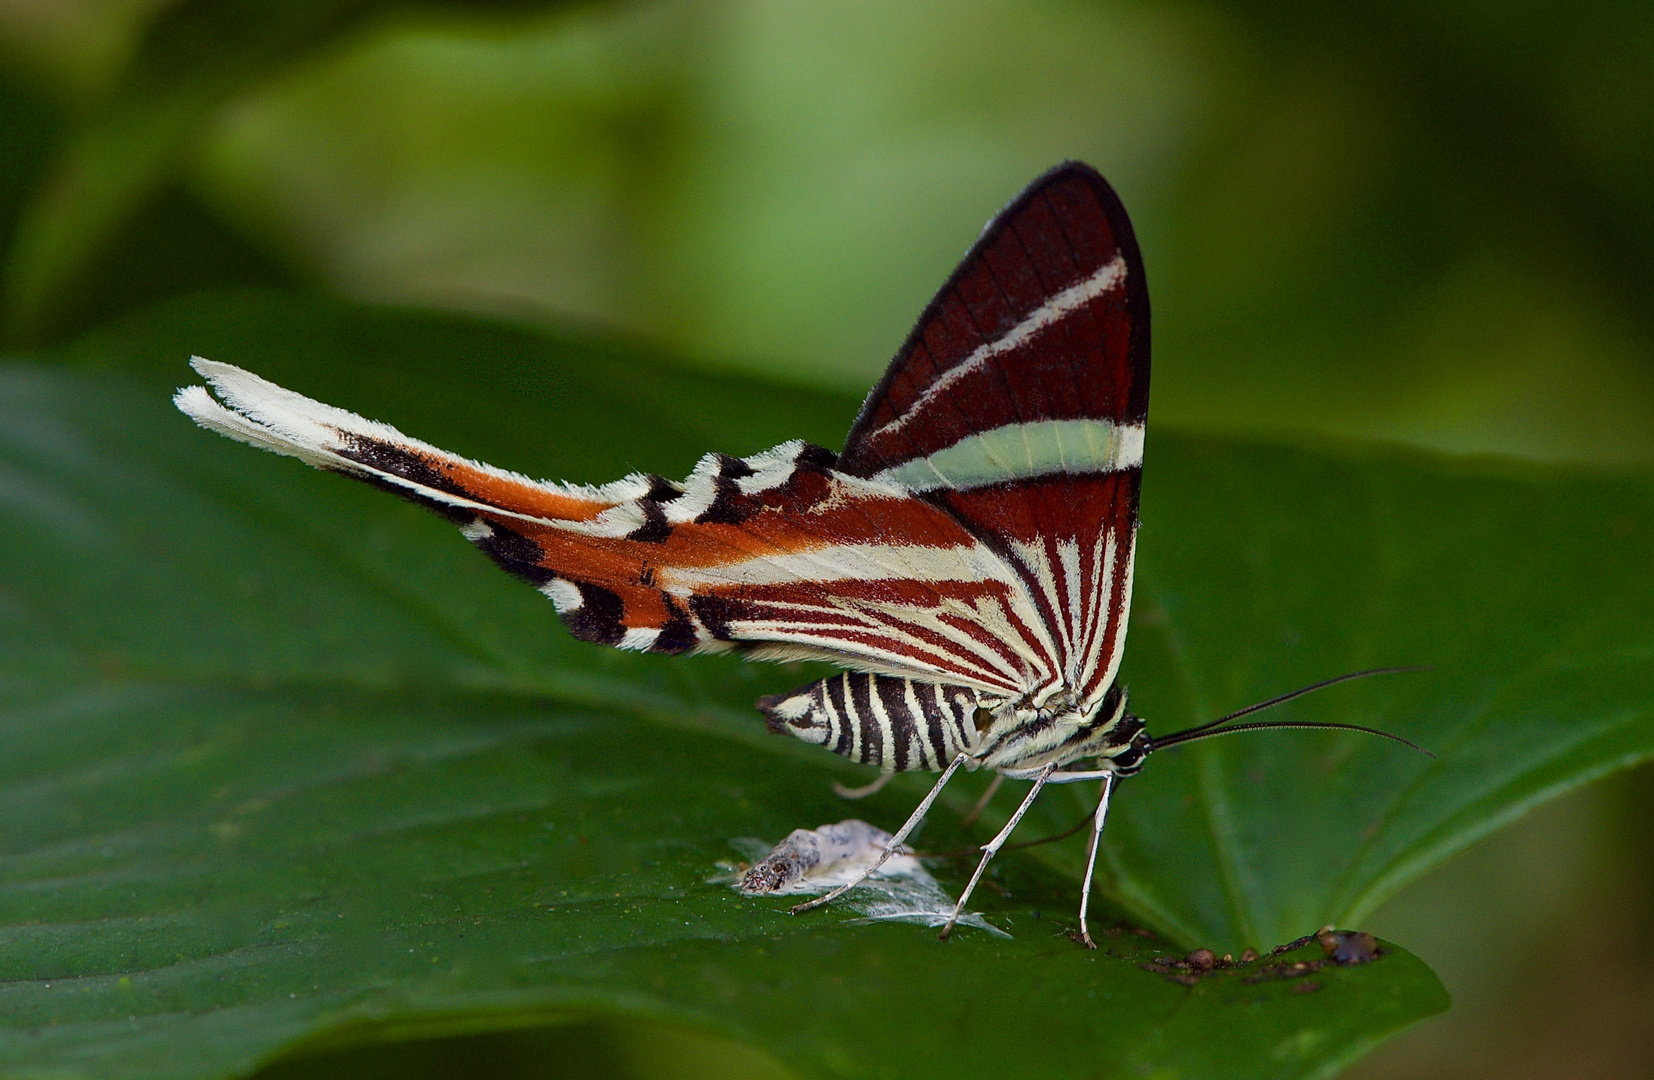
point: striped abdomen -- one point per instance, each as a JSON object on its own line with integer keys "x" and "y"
{"x": 898, "y": 724}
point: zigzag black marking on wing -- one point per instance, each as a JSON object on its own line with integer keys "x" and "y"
{"x": 678, "y": 634}
{"x": 816, "y": 457}
{"x": 598, "y": 618}
{"x": 662, "y": 490}
{"x": 714, "y": 613}
{"x": 655, "y": 528}
{"x": 516, "y": 554}
{"x": 732, "y": 506}
{"x": 729, "y": 506}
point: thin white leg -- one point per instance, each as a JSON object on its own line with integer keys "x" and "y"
{"x": 982, "y": 804}
{"x": 991, "y": 848}
{"x": 1091, "y": 858}
{"x": 913, "y": 820}
{"x": 865, "y": 790}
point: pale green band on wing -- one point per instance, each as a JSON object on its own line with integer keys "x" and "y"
{"x": 1022, "y": 452}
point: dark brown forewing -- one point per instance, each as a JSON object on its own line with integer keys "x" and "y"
{"x": 993, "y": 327}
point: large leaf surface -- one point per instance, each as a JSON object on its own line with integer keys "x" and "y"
{"x": 283, "y": 756}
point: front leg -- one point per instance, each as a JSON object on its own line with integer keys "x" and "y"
{"x": 991, "y": 848}
{"x": 1091, "y": 857}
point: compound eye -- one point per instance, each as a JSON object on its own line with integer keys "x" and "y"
{"x": 983, "y": 719}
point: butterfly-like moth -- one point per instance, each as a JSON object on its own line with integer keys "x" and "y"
{"x": 967, "y": 557}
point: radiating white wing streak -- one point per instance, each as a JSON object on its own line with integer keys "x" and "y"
{"x": 784, "y": 619}
{"x": 1068, "y": 558}
{"x": 1048, "y": 314}
{"x": 978, "y": 666}
{"x": 895, "y": 617}
{"x": 1103, "y": 591}
{"x": 1034, "y": 556}
{"x": 893, "y": 653}
{"x": 935, "y": 620}
{"x": 988, "y": 612}
{"x": 1102, "y": 570}
{"x": 1101, "y": 668}
{"x": 787, "y": 623}
{"x": 786, "y": 631}
{"x": 1021, "y": 622}
{"x": 1123, "y": 588}
{"x": 803, "y": 645}
{"x": 966, "y": 563}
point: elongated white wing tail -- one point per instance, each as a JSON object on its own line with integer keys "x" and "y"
{"x": 259, "y": 413}
{"x": 271, "y": 417}
{"x": 199, "y": 405}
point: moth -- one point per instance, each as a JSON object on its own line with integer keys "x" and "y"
{"x": 966, "y": 558}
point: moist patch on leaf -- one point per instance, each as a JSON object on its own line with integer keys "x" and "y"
{"x": 810, "y": 862}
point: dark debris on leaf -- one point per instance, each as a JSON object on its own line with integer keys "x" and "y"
{"x": 1289, "y": 946}
{"x": 1342, "y": 947}
{"x": 1296, "y": 969}
{"x": 1119, "y": 929}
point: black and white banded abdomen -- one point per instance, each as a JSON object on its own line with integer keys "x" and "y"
{"x": 897, "y": 724}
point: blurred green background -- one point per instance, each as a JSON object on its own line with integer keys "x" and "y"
{"x": 1431, "y": 223}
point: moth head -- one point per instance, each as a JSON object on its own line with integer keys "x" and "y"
{"x": 1114, "y": 735}
{"x": 1060, "y": 728}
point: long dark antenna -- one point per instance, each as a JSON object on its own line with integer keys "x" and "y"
{"x": 1214, "y": 728}
{"x": 1195, "y": 736}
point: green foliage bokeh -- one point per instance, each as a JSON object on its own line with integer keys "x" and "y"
{"x": 224, "y": 675}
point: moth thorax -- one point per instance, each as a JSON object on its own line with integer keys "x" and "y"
{"x": 1113, "y": 735}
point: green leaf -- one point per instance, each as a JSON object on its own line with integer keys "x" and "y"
{"x": 284, "y": 762}
{"x": 1262, "y": 569}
